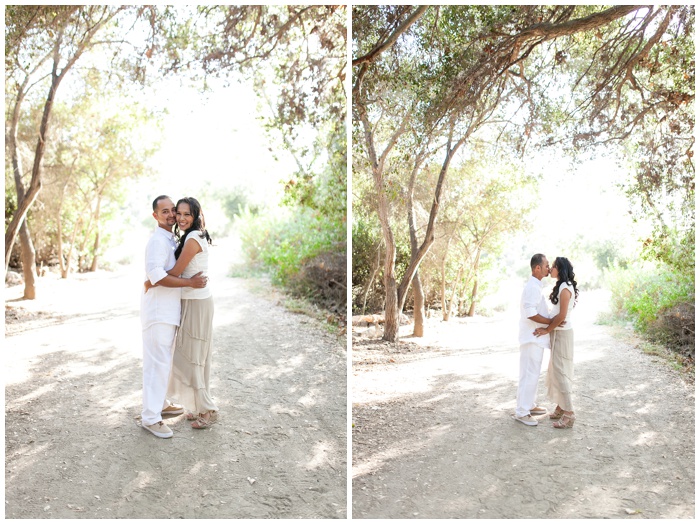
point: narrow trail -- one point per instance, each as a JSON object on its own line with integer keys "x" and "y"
{"x": 433, "y": 437}
{"x": 73, "y": 448}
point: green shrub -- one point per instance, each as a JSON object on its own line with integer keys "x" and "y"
{"x": 659, "y": 301}
{"x": 284, "y": 243}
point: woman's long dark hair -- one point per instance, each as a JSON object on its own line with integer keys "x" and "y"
{"x": 566, "y": 274}
{"x": 197, "y": 223}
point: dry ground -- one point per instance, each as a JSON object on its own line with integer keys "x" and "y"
{"x": 433, "y": 437}
{"x": 73, "y": 447}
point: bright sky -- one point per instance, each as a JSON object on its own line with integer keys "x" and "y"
{"x": 215, "y": 138}
{"x": 580, "y": 199}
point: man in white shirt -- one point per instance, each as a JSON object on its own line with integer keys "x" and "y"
{"x": 533, "y": 314}
{"x": 160, "y": 317}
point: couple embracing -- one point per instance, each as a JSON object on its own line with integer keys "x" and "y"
{"x": 177, "y": 310}
{"x": 540, "y": 329}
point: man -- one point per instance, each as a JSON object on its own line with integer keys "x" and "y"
{"x": 160, "y": 317}
{"x": 533, "y": 314}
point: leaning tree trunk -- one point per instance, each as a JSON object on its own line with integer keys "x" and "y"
{"x": 35, "y": 183}
{"x": 28, "y": 253}
{"x": 418, "y": 294}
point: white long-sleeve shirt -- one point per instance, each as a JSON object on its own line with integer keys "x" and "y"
{"x": 161, "y": 304}
{"x": 532, "y": 303}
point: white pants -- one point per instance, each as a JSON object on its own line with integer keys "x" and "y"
{"x": 158, "y": 344}
{"x": 530, "y": 366}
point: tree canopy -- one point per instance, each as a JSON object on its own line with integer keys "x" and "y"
{"x": 294, "y": 55}
{"x": 537, "y": 76}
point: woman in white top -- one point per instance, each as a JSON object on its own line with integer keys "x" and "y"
{"x": 189, "y": 379}
{"x": 560, "y": 374}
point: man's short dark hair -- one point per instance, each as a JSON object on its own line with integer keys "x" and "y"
{"x": 536, "y": 260}
{"x": 158, "y": 199}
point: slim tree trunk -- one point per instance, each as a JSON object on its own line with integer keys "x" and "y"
{"x": 95, "y": 249}
{"x": 83, "y": 242}
{"x": 26, "y": 245}
{"x": 450, "y": 305}
{"x": 66, "y": 270}
{"x": 371, "y": 280}
{"x": 418, "y": 294}
{"x": 59, "y": 232}
{"x": 96, "y": 246}
{"x": 35, "y": 184}
{"x": 422, "y": 250}
{"x": 475, "y": 289}
{"x": 472, "y": 307}
{"x": 28, "y": 262}
{"x": 443, "y": 286}
{"x": 391, "y": 306}
{"x": 28, "y": 253}
{"x": 418, "y": 306}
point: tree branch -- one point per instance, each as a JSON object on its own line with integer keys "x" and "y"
{"x": 379, "y": 48}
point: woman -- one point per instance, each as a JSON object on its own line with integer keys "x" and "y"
{"x": 189, "y": 379}
{"x": 560, "y": 374}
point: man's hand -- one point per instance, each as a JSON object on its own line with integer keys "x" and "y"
{"x": 198, "y": 280}
{"x": 147, "y": 285}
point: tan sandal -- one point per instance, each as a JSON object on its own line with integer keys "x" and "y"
{"x": 202, "y": 423}
{"x": 556, "y": 415}
{"x": 566, "y": 421}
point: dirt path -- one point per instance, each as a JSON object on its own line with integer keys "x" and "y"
{"x": 433, "y": 437}
{"x": 73, "y": 391}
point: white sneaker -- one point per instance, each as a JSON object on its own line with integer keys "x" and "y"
{"x": 159, "y": 429}
{"x": 527, "y": 420}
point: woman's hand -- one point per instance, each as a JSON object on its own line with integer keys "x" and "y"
{"x": 540, "y": 331}
{"x": 147, "y": 285}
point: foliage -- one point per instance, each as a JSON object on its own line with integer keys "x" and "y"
{"x": 659, "y": 301}
{"x": 284, "y": 245}
{"x": 428, "y": 78}
{"x": 294, "y": 55}
{"x": 43, "y": 44}
{"x": 101, "y": 141}
{"x": 367, "y": 254}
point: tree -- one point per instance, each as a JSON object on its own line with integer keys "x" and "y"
{"x": 466, "y": 65}
{"x": 294, "y": 55}
{"x": 480, "y": 200}
{"x": 101, "y": 143}
{"x": 297, "y": 53}
{"x": 37, "y": 35}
